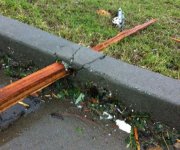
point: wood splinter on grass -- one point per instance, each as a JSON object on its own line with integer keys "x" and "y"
{"x": 122, "y": 35}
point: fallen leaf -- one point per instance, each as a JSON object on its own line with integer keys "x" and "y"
{"x": 102, "y": 12}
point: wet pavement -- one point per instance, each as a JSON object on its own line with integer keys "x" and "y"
{"x": 15, "y": 112}
{"x": 38, "y": 130}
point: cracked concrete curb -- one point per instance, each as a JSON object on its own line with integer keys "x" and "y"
{"x": 142, "y": 89}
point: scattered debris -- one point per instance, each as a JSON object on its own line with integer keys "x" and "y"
{"x": 24, "y": 104}
{"x": 103, "y": 104}
{"x": 47, "y": 96}
{"x": 123, "y": 125}
{"x": 119, "y": 21}
{"x": 143, "y": 131}
{"x": 79, "y": 106}
{"x": 103, "y": 12}
{"x": 80, "y": 98}
{"x": 66, "y": 65}
{"x": 122, "y": 35}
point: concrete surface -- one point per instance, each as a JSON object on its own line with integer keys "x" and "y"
{"x": 39, "y": 131}
{"x": 142, "y": 89}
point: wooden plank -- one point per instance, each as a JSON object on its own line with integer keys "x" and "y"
{"x": 16, "y": 91}
{"x": 122, "y": 35}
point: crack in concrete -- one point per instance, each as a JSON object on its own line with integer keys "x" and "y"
{"x": 84, "y": 65}
{"x": 73, "y": 55}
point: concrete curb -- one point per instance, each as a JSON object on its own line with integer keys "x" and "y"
{"x": 144, "y": 90}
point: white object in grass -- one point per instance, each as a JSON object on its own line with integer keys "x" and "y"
{"x": 123, "y": 125}
{"x": 120, "y": 19}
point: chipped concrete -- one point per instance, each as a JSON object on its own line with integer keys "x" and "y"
{"x": 143, "y": 89}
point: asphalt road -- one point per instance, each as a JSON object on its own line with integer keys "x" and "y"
{"x": 40, "y": 131}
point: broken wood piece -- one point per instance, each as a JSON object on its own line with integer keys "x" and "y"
{"x": 122, "y": 35}
{"x": 136, "y": 138}
{"x": 16, "y": 91}
{"x": 177, "y": 40}
{"x": 23, "y": 104}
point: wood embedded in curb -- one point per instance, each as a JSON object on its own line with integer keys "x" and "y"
{"x": 16, "y": 91}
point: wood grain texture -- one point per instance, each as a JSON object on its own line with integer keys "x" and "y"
{"x": 16, "y": 91}
{"x": 122, "y": 35}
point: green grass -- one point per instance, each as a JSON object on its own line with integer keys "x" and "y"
{"x": 77, "y": 21}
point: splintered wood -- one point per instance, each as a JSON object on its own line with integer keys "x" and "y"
{"x": 122, "y": 35}
{"x": 16, "y": 91}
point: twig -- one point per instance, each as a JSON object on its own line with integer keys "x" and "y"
{"x": 24, "y": 104}
{"x": 165, "y": 142}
